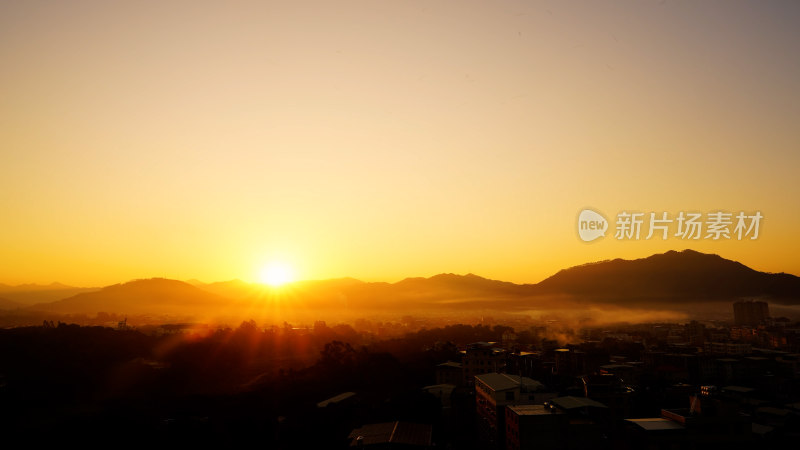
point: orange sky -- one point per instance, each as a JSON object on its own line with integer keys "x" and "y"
{"x": 380, "y": 140}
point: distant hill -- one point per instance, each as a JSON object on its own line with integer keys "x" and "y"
{"x": 230, "y": 289}
{"x": 30, "y": 294}
{"x": 459, "y": 285}
{"x": 150, "y": 296}
{"x": 33, "y": 287}
{"x": 7, "y": 304}
{"x": 680, "y": 276}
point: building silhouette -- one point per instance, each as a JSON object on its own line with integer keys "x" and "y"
{"x": 750, "y": 312}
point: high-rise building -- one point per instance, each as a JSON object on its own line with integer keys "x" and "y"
{"x": 750, "y": 312}
{"x": 480, "y": 358}
{"x": 495, "y": 391}
{"x": 535, "y": 427}
{"x": 695, "y": 333}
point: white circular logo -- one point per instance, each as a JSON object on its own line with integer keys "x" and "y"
{"x": 591, "y": 225}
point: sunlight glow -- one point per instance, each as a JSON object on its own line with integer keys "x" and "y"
{"x": 276, "y": 274}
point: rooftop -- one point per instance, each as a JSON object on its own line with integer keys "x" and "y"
{"x": 453, "y": 364}
{"x": 570, "y": 402}
{"x": 762, "y": 429}
{"x": 739, "y": 389}
{"x": 404, "y": 433}
{"x": 655, "y": 424}
{"x": 615, "y": 366}
{"x": 504, "y": 382}
{"x": 335, "y": 399}
{"x": 678, "y": 415}
{"x": 795, "y": 406}
{"x": 483, "y": 344}
{"x": 440, "y": 390}
{"x": 533, "y": 410}
{"x": 770, "y": 410}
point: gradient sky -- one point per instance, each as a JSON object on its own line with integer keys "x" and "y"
{"x": 385, "y": 139}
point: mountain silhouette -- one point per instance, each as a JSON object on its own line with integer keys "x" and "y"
{"x": 8, "y": 304}
{"x": 33, "y": 287}
{"x": 147, "y": 296}
{"x": 471, "y": 283}
{"x": 30, "y": 294}
{"x": 680, "y": 276}
{"x": 675, "y": 279}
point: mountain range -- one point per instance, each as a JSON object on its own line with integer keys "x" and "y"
{"x": 29, "y": 294}
{"x": 672, "y": 280}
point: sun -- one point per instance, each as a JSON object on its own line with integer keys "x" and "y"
{"x": 276, "y": 274}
